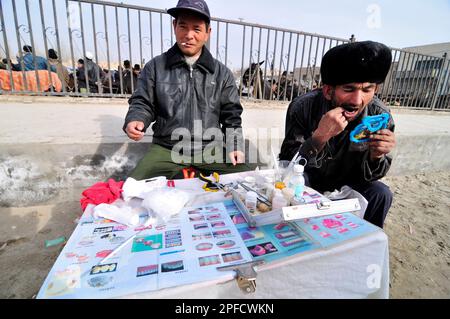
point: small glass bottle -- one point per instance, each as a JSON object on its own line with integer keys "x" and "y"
{"x": 278, "y": 200}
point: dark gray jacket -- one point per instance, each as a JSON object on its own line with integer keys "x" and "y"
{"x": 172, "y": 95}
{"x": 340, "y": 162}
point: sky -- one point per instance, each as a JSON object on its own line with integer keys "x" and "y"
{"x": 399, "y": 23}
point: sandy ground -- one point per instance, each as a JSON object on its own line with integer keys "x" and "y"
{"x": 418, "y": 227}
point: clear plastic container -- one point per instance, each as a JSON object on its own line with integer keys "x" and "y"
{"x": 251, "y": 202}
{"x": 278, "y": 200}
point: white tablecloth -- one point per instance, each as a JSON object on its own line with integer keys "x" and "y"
{"x": 358, "y": 268}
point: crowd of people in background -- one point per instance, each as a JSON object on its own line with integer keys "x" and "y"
{"x": 88, "y": 76}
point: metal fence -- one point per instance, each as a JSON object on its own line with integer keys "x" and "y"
{"x": 268, "y": 63}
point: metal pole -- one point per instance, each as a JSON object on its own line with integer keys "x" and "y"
{"x": 30, "y": 27}
{"x": 251, "y": 76}
{"x": 46, "y": 48}
{"x": 5, "y": 39}
{"x": 58, "y": 43}
{"x": 71, "y": 49}
{"x": 84, "y": 51}
{"x": 242, "y": 64}
{"x": 151, "y": 34}
{"x": 105, "y": 20}
{"x": 99, "y": 80}
{"x": 129, "y": 50}
{"x": 19, "y": 44}
{"x": 161, "y": 31}
{"x": 140, "y": 39}
{"x": 265, "y": 67}
{"x": 217, "y": 40}
{"x": 118, "y": 48}
{"x": 279, "y": 69}
{"x": 309, "y": 59}
{"x": 313, "y": 74}
{"x": 226, "y": 45}
{"x": 287, "y": 66}
{"x": 262, "y": 80}
{"x": 295, "y": 64}
{"x": 301, "y": 65}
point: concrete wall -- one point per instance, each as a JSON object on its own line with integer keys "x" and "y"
{"x": 50, "y": 151}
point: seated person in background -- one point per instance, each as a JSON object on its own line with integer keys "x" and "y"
{"x": 59, "y": 68}
{"x": 188, "y": 94}
{"x": 94, "y": 73}
{"x": 4, "y": 64}
{"x": 31, "y": 62}
{"x": 126, "y": 78}
{"x": 318, "y": 125}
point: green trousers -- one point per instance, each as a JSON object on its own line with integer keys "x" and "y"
{"x": 158, "y": 162}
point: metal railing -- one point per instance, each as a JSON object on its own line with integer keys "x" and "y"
{"x": 269, "y": 63}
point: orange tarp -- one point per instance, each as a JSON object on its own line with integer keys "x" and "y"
{"x": 31, "y": 78}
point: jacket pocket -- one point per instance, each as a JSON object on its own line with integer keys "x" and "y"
{"x": 169, "y": 97}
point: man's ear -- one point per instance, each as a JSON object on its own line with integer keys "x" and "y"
{"x": 327, "y": 91}
{"x": 209, "y": 31}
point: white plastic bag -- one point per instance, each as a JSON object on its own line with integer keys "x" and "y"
{"x": 166, "y": 203}
{"x": 347, "y": 192}
{"x": 133, "y": 188}
{"x": 124, "y": 215}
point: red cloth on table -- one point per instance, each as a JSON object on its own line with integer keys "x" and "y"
{"x": 101, "y": 193}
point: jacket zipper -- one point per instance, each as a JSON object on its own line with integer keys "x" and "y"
{"x": 191, "y": 123}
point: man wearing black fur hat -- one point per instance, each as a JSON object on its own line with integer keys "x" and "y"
{"x": 318, "y": 126}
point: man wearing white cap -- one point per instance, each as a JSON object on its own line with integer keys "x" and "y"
{"x": 94, "y": 74}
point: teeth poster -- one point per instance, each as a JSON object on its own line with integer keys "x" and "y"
{"x": 104, "y": 259}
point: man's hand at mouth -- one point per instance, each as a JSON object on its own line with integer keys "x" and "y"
{"x": 331, "y": 124}
{"x": 350, "y": 111}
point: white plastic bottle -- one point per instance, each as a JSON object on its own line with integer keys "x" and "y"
{"x": 251, "y": 201}
{"x": 278, "y": 200}
{"x": 297, "y": 184}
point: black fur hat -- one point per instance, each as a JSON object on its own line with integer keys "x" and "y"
{"x": 357, "y": 62}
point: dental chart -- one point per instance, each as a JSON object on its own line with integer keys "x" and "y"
{"x": 104, "y": 259}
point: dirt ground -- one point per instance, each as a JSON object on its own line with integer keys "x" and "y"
{"x": 418, "y": 227}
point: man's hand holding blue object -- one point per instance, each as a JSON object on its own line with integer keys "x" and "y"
{"x": 373, "y": 129}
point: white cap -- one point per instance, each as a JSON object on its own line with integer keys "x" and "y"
{"x": 299, "y": 168}
{"x": 89, "y": 55}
